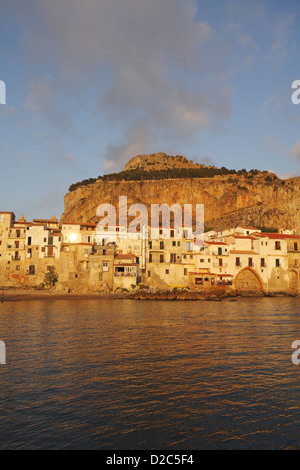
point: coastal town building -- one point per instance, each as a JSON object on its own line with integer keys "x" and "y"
{"x": 86, "y": 259}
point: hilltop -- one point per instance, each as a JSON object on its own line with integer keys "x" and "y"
{"x": 161, "y": 161}
{"x": 231, "y": 197}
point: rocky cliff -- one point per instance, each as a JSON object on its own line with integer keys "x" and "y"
{"x": 229, "y": 201}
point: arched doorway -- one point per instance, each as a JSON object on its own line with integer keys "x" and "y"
{"x": 248, "y": 281}
{"x": 293, "y": 281}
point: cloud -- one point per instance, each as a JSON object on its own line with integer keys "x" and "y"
{"x": 136, "y": 61}
{"x": 280, "y": 48}
{"x": 295, "y": 150}
{"x": 276, "y": 146}
{"x": 138, "y": 141}
{"x": 40, "y": 96}
{"x": 272, "y": 104}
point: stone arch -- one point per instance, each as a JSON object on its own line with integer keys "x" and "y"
{"x": 248, "y": 280}
{"x": 293, "y": 281}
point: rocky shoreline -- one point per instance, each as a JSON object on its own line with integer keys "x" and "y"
{"x": 213, "y": 295}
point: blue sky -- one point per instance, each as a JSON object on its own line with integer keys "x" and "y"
{"x": 92, "y": 84}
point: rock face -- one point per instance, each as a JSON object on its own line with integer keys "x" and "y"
{"x": 159, "y": 161}
{"x": 228, "y": 201}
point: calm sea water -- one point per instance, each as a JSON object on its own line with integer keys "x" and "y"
{"x": 127, "y": 374}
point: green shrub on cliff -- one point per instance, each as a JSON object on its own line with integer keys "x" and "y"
{"x": 140, "y": 174}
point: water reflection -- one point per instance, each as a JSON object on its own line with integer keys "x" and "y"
{"x": 150, "y": 375}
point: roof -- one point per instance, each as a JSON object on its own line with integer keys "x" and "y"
{"x": 125, "y": 264}
{"x": 279, "y": 236}
{"x": 248, "y": 228}
{"x": 46, "y": 221}
{"x": 204, "y": 274}
{"x": 246, "y": 237}
{"x": 243, "y": 252}
{"x": 216, "y": 243}
{"x": 126, "y": 256}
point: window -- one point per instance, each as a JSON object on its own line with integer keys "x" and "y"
{"x": 161, "y": 245}
{"x": 150, "y": 245}
{"x": 172, "y": 258}
{"x": 237, "y": 262}
{"x": 262, "y": 263}
{"x": 173, "y": 243}
{"x": 149, "y": 273}
{"x": 277, "y": 246}
{"x": 185, "y": 272}
{"x": 150, "y": 258}
{"x": 278, "y": 263}
{"x": 178, "y": 243}
{"x": 161, "y": 258}
{"x": 29, "y": 241}
{"x": 250, "y": 262}
{"x": 220, "y": 262}
{"x": 295, "y": 246}
{"x": 87, "y": 239}
{"x": 172, "y": 234}
{"x": 105, "y": 266}
{"x": 31, "y": 270}
{"x": 167, "y": 271}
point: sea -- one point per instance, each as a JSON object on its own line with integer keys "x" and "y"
{"x": 143, "y": 374}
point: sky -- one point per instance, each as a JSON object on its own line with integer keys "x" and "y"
{"x": 91, "y": 84}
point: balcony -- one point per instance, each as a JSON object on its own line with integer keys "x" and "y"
{"x": 217, "y": 265}
{"x": 16, "y": 258}
{"x": 216, "y": 253}
{"x": 13, "y": 246}
{"x": 17, "y": 235}
{"x": 132, "y": 274}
